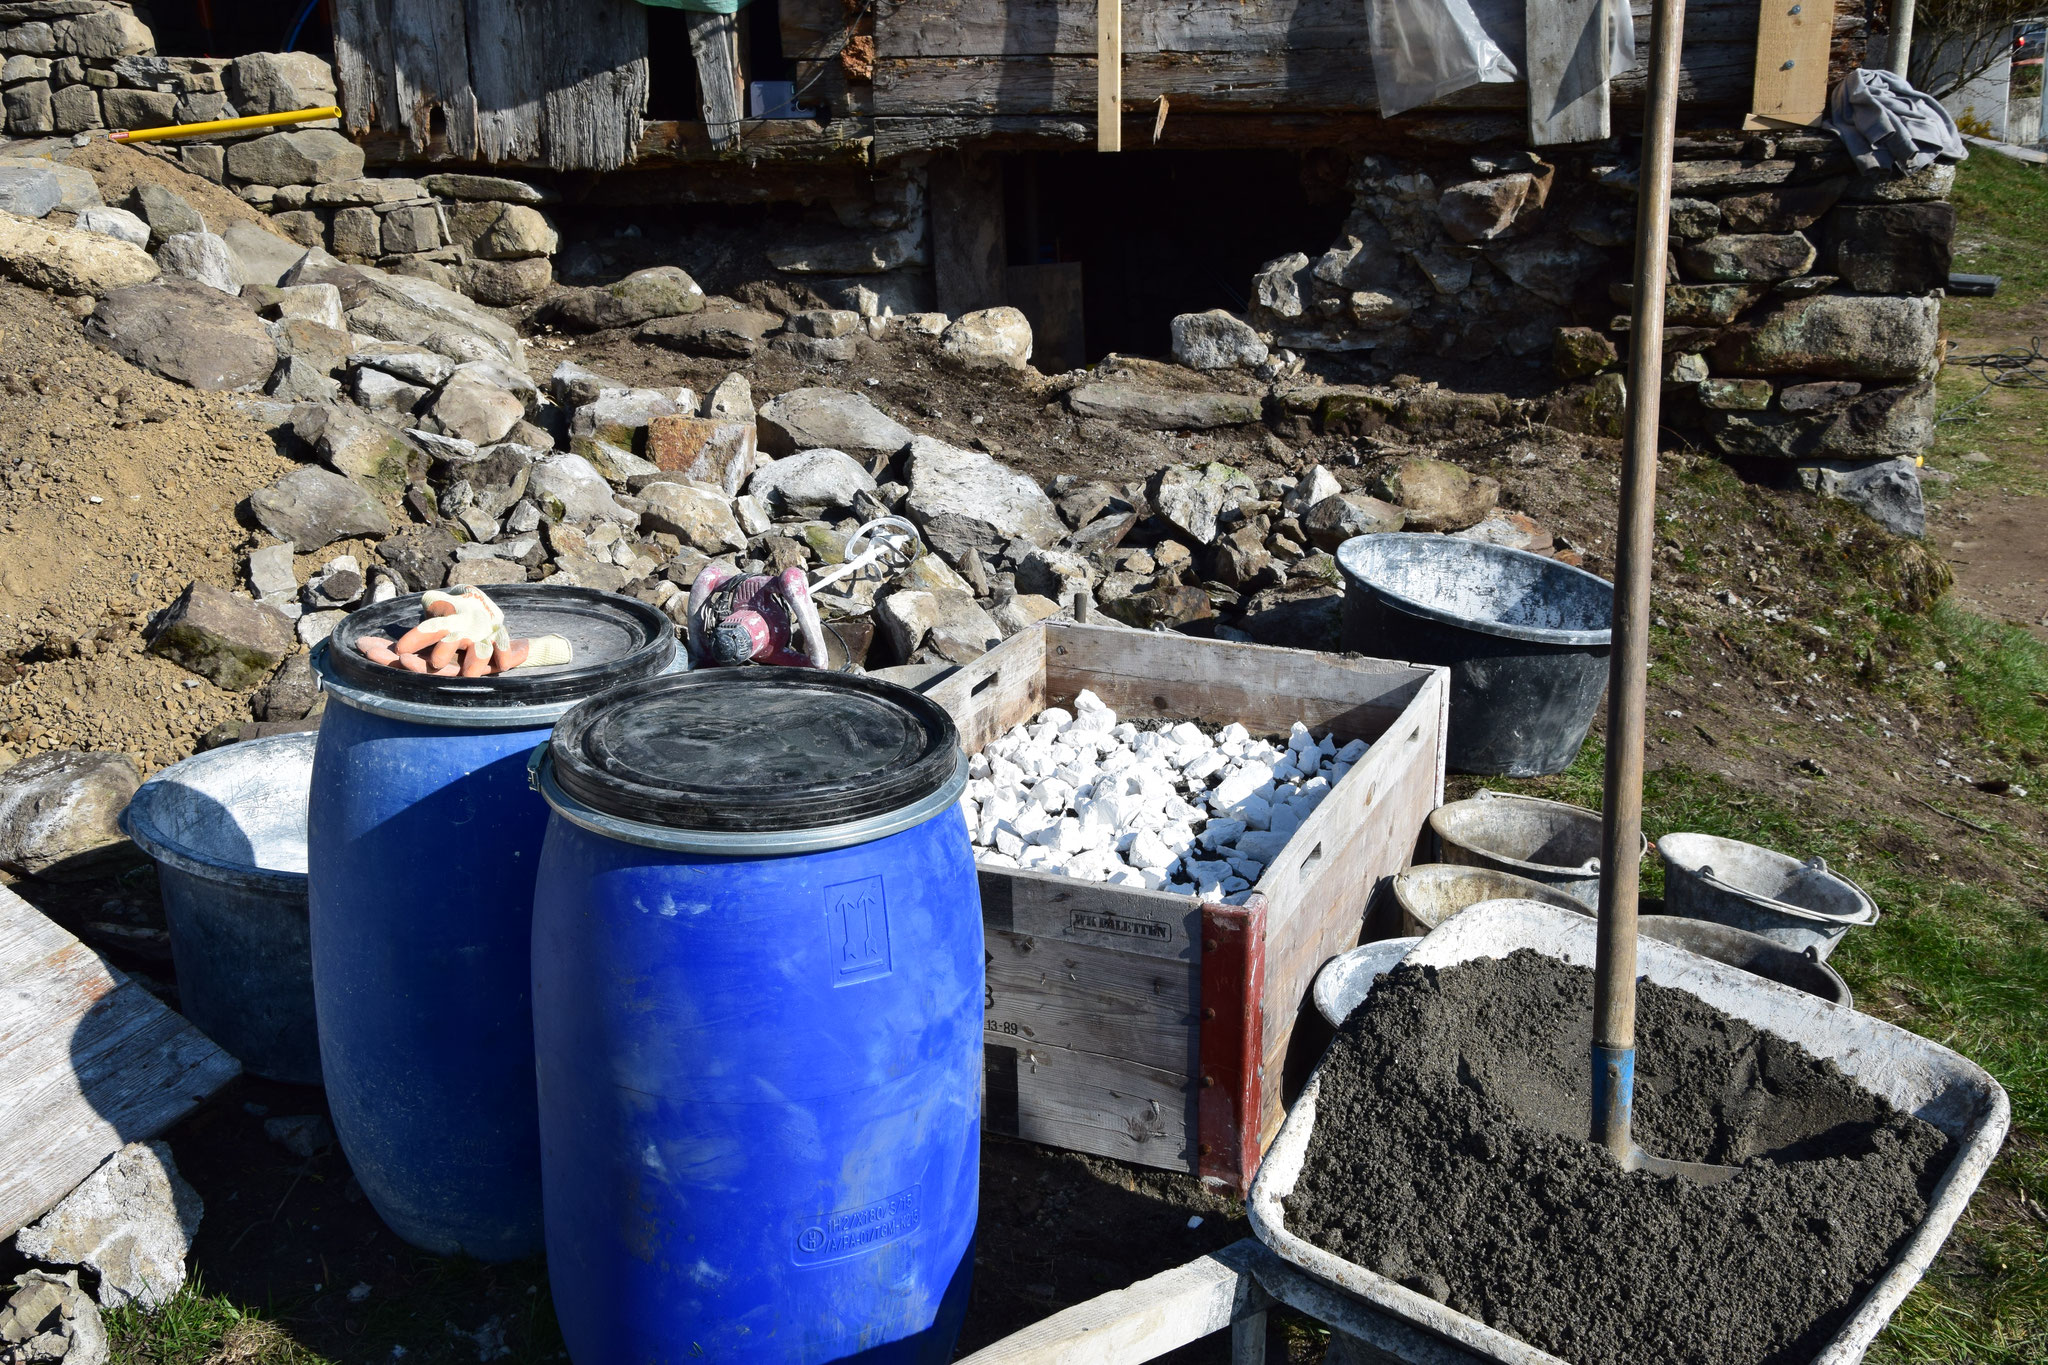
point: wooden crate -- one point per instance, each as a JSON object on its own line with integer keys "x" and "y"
{"x": 1149, "y": 1026}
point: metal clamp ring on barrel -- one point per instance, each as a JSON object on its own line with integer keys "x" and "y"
{"x": 453, "y": 717}
{"x": 540, "y": 773}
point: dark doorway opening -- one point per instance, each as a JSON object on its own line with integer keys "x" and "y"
{"x": 229, "y": 28}
{"x": 1156, "y": 234}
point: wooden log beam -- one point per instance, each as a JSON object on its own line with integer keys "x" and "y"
{"x": 714, "y": 45}
{"x": 670, "y": 143}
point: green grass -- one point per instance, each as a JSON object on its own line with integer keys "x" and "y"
{"x": 198, "y": 1328}
{"x": 2001, "y": 229}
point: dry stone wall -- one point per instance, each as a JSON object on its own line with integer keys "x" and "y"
{"x": 1804, "y": 309}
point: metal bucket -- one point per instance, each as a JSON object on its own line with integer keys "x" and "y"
{"x": 1799, "y": 905}
{"x": 1545, "y": 841}
{"x": 1524, "y": 636}
{"x": 228, "y": 832}
{"x": 1753, "y": 953}
{"x": 1430, "y": 893}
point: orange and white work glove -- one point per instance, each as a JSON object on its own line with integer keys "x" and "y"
{"x": 465, "y": 636}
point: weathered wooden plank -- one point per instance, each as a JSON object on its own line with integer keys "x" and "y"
{"x": 1791, "y": 81}
{"x": 1002, "y": 688}
{"x": 968, "y": 233}
{"x": 714, "y": 46}
{"x": 811, "y": 28}
{"x": 362, "y": 65}
{"x": 1715, "y": 74}
{"x": 430, "y": 66}
{"x": 1087, "y": 1102}
{"x": 1130, "y": 919}
{"x": 1051, "y": 992}
{"x": 88, "y": 1061}
{"x": 1143, "y": 1321}
{"x": 1109, "y": 75}
{"x": 596, "y": 86}
{"x": 509, "y": 70}
{"x": 1565, "y": 66}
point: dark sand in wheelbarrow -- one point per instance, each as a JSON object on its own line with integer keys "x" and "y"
{"x": 1447, "y": 1157}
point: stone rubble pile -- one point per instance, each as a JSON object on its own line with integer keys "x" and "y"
{"x": 1171, "y": 807}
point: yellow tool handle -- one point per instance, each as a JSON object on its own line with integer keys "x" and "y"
{"x": 224, "y": 125}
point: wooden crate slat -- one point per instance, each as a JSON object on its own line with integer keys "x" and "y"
{"x": 1086, "y": 1102}
{"x": 1127, "y": 918}
{"x": 1049, "y": 992}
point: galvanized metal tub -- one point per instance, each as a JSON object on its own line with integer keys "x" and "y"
{"x": 1801, "y": 905}
{"x": 227, "y": 829}
{"x": 1915, "y": 1074}
{"x": 1546, "y": 841}
{"x": 1430, "y": 893}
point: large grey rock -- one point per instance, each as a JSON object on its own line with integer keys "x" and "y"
{"x": 1551, "y": 267}
{"x": 659, "y": 292}
{"x": 1191, "y": 498}
{"x": 185, "y": 331}
{"x": 1437, "y": 495}
{"x": 567, "y": 488}
{"x": 417, "y": 312}
{"x": 811, "y": 419}
{"x": 119, "y": 224}
{"x": 104, "y": 32}
{"x": 701, "y": 518}
{"x": 319, "y": 303}
{"x": 1892, "y": 248}
{"x": 58, "y": 810}
{"x": 513, "y": 232}
{"x": 952, "y": 624}
{"x": 573, "y": 385}
{"x": 619, "y": 419}
{"x": 231, "y": 640}
{"x": 811, "y": 483}
{"x": 49, "y": 1319}
{"x": 166, "y": 212}
{"x": 200, "y": 257}
{"x": 420, "y": 555}
{"x": 77, "y": 189}
{"x": 1216, "y": 340}
{"x": 1339, "y": 518}
{"x": 29, "y": 191}
{"x": 297, "y": 380}
{"x": 1887, "y": 491}
{"x": 505, "y": 283}
{"x": 471, "y": 410}
{"x": 725, "y": 333}
{"x": 1787, "y": 208}
{"x": 484, "y": 189}
{"x": 732, "y": 400}
{"x": 705, "y": 450}
{"x": 993, "y": 338}
{"x": 351, "y": 443}
{"x": 1737, "y": 258}
{"x": 1481, "y": 210}
{"x": 259, "y": 255}
{"x": 313, "y": 507}
{"x": 30, "y": 109}
{"x": 69, "y": 261}
{"x": 132, "y": 1220}
{"x": 1857, "y": 424}
{"x": 1281, "y": 285}
{"x": 1164, "y": 409}
{"x": 965, "y": 500}
{"x": 139, "y": 108}
{"x": 1857, "y": 337}
{"x": 279, "y": 83}
{"x": 308, "y": 156}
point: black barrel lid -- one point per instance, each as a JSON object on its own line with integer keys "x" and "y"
{"x": 614, "y": 639}
{"x": 754, "y": 750}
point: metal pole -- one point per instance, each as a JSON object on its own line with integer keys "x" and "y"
{"x": 1614, "y": 999}
{"x": 222, "y": 125}
{"x": 1901, "y": 55}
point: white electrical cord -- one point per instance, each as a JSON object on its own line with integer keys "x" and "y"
{"x": 866, "y": 546}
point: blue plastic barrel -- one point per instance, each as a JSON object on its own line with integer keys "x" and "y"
{"x": 757, "y": 988}
{"x": 422, "y": 838}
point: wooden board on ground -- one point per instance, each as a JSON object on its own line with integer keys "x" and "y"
{"x": 1095, "y": 1011}
{"x": 89, "y": 1062}
{"x": 714, "y": 45}
{"x": 1791, "y": 84}
{"x": 1566, "y": 62}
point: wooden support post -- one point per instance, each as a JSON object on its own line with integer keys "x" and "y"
{"x": 714, "y": 43}
{"x": 1231, "y": 1047}
{"x": 1109, "y": 75}
{"x": 1791, "y": 82}
{"x": 1567, "y": 59}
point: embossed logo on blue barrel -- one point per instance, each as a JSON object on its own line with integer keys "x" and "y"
{"x": 836, "y": 1236}
{"x": 857, "y": 925}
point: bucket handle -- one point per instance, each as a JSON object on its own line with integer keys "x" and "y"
{"x": 1705, "y": 872}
